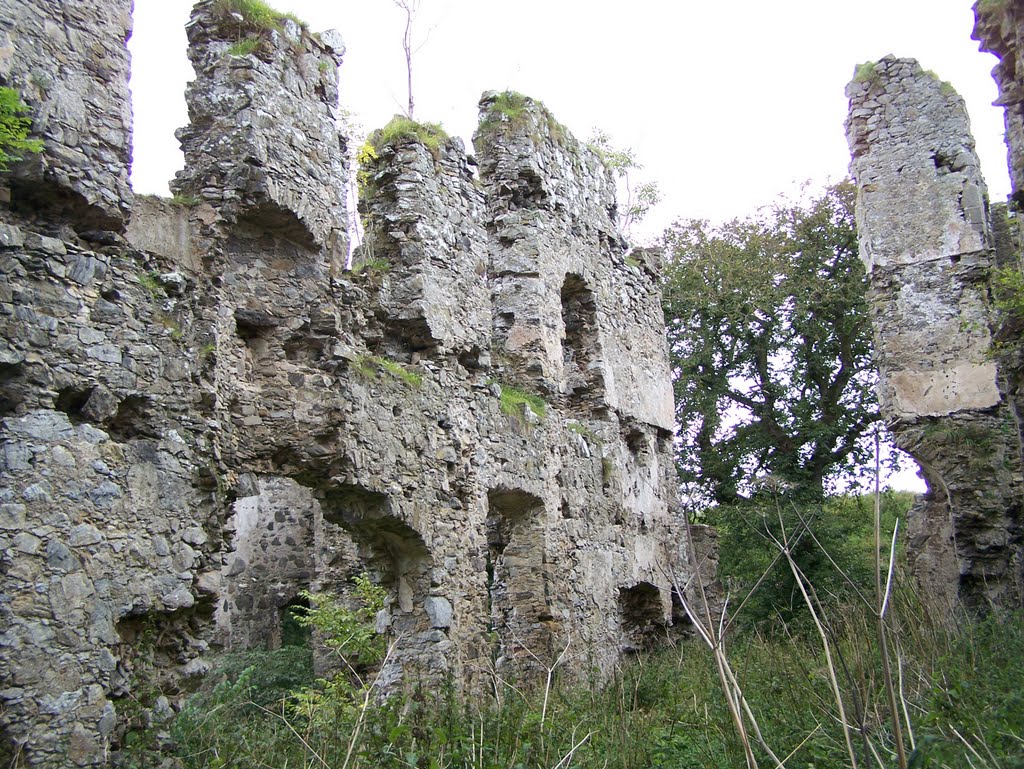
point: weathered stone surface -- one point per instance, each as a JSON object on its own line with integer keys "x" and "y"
{"x": 201, "y": 422}
{"x": 999, "y": 27}
{"x": 164, "y": 228}
{"x": 926, "y": 240}
{"x": 579, "y": 318}
{"x": 70, "y": 63}
{"x": 292, "y": 185}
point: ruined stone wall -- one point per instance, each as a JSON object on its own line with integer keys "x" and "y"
{"x": 107, "y": 515}
{"x": 925, "y": 238}
{"x": 70, "y": 63}
{"x": 267, "y": 162}
{"x": 999, "y": 27}
{"x": 205, "y": 420}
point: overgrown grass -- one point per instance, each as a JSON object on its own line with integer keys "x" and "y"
{"x": 511, "y": 113}
{"x": 513, "y": 400}
{"x": 866, "y": 72}
{"x": 507, "y": 114}
{"x": 370, "y": 366}
{"x": 244, "y": 47}
{"x": 964, "y": 691}
{"x": 151, "y": 282}
{"x": 400, "y": 129}
{"x": 257, "y": 13}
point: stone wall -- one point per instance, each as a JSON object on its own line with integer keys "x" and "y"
{"x": 925, "y": 238}
{"x": 999, "y": 27}
{"x": 265, "y": 163}
{"x": 203, "y": 421}
{"x": 70, "y": 63}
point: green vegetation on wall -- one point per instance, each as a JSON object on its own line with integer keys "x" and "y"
{"x": 370, "y": 366}
{"x": 513, "y": 400}
{"x": 257, "y": 13}
{"x": 512, "y": 112}
{"x": 866, "y": 72}
{"x": 15, "y": 125}
{"x": 400, "y": 129}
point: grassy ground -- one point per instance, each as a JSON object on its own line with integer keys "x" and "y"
{"x": 963, "y": 691}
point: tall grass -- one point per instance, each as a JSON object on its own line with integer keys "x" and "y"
{"x": 962, "y": 684}
{"x": 859, "y": 681}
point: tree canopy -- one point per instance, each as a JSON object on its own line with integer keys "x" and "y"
{"x": 770, "y": 346}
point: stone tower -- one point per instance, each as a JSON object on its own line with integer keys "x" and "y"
{"x": 926, "y": 240}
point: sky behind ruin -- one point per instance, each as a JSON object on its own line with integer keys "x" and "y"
{"x": 727, "y": 104}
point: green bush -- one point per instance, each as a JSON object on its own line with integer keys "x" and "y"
{"x": 839, "y": 541}
{"x": 14, "y": 129}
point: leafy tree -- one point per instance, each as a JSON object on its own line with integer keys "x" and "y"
{"x": 639, "y": 197}
{"x": 14, "y": 128}
{"x": 771, "y": 348}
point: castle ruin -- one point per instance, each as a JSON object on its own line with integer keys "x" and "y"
{"x": 204, "y": 413}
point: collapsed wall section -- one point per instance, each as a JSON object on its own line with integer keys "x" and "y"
{"x": 923, "y": 225}
{"x": 70, "y": 64}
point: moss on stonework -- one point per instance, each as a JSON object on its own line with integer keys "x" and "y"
{"x": 509, "y": 113}
{"x": 866, "y": 72}
{"x": 257, "y": 13}
{"x": 401, "y": 128}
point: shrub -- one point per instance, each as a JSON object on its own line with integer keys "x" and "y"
{"x": 1008, "y": 292}
{"x": 14, "y": 128}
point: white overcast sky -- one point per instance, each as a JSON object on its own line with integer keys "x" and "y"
{"x": 727, "y": 104}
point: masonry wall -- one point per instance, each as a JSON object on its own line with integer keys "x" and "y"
{"x": 70, "y": 64}
{"x": 205, "y": 420}
{"x": 925, "y": 238}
